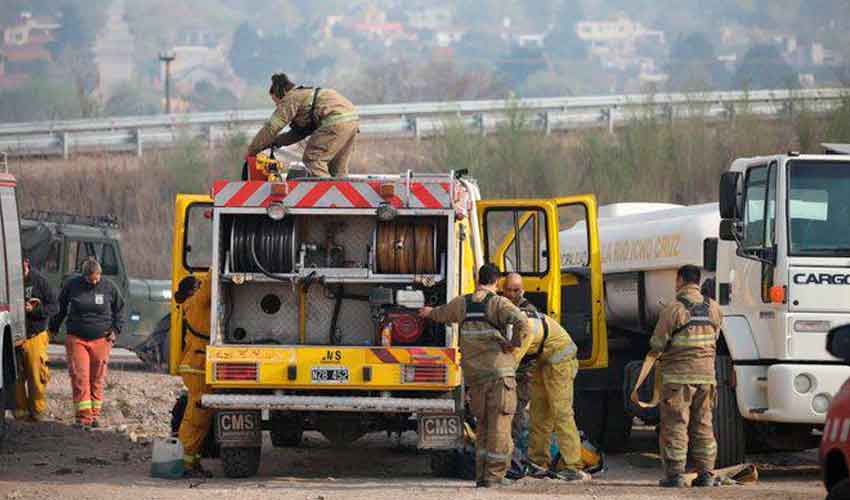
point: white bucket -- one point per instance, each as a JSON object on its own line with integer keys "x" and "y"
{"x": 167, "y": 460}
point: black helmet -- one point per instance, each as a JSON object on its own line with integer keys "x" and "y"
{"x": 187, "y": 287}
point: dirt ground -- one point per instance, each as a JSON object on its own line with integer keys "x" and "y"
{"x": 54, "y": 460}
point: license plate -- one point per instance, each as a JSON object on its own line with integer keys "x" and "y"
{"x": 326, "y": 375}
{"x": 238, "y": 428}
{"x": 440, "y": 431}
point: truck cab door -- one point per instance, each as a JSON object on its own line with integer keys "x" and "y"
{"x": 191, "y": 255}
{"x": 523, "y": 236}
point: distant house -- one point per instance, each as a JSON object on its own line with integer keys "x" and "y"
{"x": 614, "y": 42}
{"x": 431, "y": 18}
{"x": 26, "y": 59}
{"x": 30, "y": 30}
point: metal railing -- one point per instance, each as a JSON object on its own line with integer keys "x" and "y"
{"x": 136, "y": 133}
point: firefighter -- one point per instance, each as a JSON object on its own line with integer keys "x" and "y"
{"x": 195, "y": 295}
{"x": 324, "y": 115}
{"x": 95, "y": 311}
{"x": 491, "y": 327}
{"x": 40, "y": 303}
{"x": 551, "y": 354}
{"x": 512, "y": 289}
{"x": 685, "y": 338}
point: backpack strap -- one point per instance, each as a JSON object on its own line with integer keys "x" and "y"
{"x": 194, "y": 332}
{"x": 698, "y": 315}
{"x": 477, "y": 311}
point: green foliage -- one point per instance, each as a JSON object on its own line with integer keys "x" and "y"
{"x": 188, "y": 163}
{"x": 762, "y": 67}
{"x": 207, "y": 97}
{"x": 838, "y": 128}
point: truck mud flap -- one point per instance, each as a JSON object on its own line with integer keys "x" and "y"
{"x": 440, "y": 432}
{"x": 238, "y": 428}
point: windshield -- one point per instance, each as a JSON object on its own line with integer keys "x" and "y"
{"x": 819, "y": 208}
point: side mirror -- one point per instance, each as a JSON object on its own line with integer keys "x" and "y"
{"x": 838, "y": 342}
{"x": 730, "y": 230}
{"x": 729, "y": 195}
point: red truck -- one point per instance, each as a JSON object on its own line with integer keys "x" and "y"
{"x": 835, "y": 443}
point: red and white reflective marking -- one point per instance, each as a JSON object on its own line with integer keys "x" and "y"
{"x": 330, "y": 194}
{"x": 836, "y": 430}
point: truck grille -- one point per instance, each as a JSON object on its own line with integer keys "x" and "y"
{"x": 424, "y": 374}
{"x": 235, "y": 371}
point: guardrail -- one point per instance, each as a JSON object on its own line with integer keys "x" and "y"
{"x": 136, "y": 133}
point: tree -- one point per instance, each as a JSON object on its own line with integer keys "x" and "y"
{"x": 693, "y": 64}
{"x": 130, "y": 99}
{"x": 520, "y": 63}
{"x": 762, "y": 67}
{"x": 254, "y": 57}
{"x": 207, "y": 97}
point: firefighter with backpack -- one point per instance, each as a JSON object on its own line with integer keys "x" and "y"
{"x": 684, "y": 345}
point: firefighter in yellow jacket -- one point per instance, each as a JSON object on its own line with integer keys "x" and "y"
{"x": 324, "y": 115}
{"x": 488, "y": 369}
{"x": 552, "y": 354}
{"x": 196, "y": 420}
{"x": 686, "y": 337}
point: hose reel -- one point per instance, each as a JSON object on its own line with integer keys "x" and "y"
{"x": 261, "y": 244}
{"x": 405, "y": 248}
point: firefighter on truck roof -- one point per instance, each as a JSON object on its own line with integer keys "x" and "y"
{"x": 488, "y": 369}
{"x": 324, "y": 115}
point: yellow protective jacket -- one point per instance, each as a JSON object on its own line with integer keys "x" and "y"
{"x": 687, "y": 337}
{"x": 482, "y": 334}
{"x": 547, "y": 341}
{"x": 294, "y": 109}
{"x": 196, "y": 317}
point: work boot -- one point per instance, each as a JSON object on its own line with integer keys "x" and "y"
{"x": 95, "y": 424}
{"x": 571, "y": 475}
{"x": 703, "y": 480}
{"x": 480, "y": 483}
{"x": 536, "y": 471}
{"x": 497, "y": 484}
{"x": 674, "y": 481}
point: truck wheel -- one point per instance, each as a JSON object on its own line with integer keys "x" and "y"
{"x": 727, "y": 421}
{"x": 618, "y": 424}
{"x": 457, "y": 464}
{"x": 241, "y": 462}
{"x": 287, "y": 430}
{"x": 603, "y": 418}
{"x": 840, "y": 490}
{"x": 210, "y": 449}
{"x": 4, "y": 425}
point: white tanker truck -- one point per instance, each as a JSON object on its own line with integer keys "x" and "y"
{"x": 775, "y": 254}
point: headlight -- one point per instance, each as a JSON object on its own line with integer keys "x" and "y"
{"x": 802, "y": 325}
{"x": 820, "y": 403}
{"x": 276, "y": 211}
{"x": 803, "y": 383}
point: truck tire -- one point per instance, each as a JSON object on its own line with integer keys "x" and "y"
{"x": 603, "y": 419}
{"x": 210, "y": 449}
{"x": 457, "y": 464}
{"x": 4, "y": 425}
{"x": 840, "y": 490}
{"x": 618, "y": 424}
{"x": 241, "y": 462}
{"x": 287, "y": 430}
{"x": 727, "y": 421}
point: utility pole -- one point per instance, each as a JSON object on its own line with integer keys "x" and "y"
{"x": 167, "y": 57}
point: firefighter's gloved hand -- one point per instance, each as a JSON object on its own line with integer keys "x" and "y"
{"x": 424, "y": 312}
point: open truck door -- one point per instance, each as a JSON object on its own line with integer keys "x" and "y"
{"x": 192, "y": 255}
{"x": 524, "y": 236}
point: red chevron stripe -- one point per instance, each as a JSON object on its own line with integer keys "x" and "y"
{"x": 241, "y": 196}
{"x": 385, "y": 356}
{"x": 218, "y": 186}
{"x": 314, "y": 195}
{"x": 356, "y": 199}
{"x": 427, "y": 199}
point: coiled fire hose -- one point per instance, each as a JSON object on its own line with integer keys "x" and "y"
{"x": 404, "y": 248}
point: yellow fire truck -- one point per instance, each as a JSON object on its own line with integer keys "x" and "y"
{"x": 315, "y": 288}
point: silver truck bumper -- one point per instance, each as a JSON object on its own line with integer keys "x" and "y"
{"x": 327, "y": 403}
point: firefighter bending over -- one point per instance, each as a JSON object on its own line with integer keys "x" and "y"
{"x": 324, "y": 115}
{"x": 491, "y": 327}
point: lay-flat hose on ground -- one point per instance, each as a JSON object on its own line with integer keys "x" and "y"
{"x": 405, "y": 248}
{"x": 270, "y": 241}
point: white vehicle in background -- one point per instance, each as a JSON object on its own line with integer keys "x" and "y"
{"x": 775, "y": 254}
{"x": 11, "y": 293}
